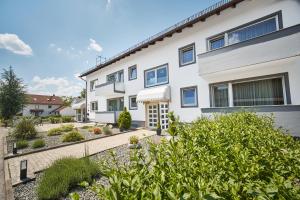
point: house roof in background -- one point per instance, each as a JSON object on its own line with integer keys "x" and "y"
{"x": 177, "y": 28}
{"x": 44, "y": 99}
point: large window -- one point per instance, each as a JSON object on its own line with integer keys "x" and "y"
{"x": 132, "y": 103}
{"x": 132, "y": 72}
{"x": 115, "y": 104}
{"x": 116, "y": 77}
{"x": 259, "y": 91}
{"x": 156, "y": 76}
{"x": 247, "y": 32}
{"x": 189, "y": 97}
{"x": 187, "y": 55}
{"x": 94, "y": 106}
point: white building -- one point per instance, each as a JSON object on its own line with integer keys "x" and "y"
{"x": 235, "y": 54}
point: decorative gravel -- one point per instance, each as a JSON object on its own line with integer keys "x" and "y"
{"x": 27, "y": 191}
{"x": 52, "y": 141}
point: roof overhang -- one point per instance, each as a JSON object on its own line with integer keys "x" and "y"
{"x": 79, "y": 105}
{"x": 162, "y": 93}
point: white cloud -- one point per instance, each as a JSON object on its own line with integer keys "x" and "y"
{"x": 59, "y": 86}
{"x": 13, "y": 43}
{"x": 51, "y": 45}
{"x": 58, "y": 49}
{"x": 108, "y": 4}
{"x": 94, "y": 46}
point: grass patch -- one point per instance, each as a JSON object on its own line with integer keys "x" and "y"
{"x": 86, "y": 127}
{"x": 21, "y": 144}
{"x": 63, "y": 175}
{"x": 60, "y": 130}
{"x": 38, "y": 143}
{"x": 72, "y": 136}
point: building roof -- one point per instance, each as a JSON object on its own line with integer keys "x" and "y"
{"x": 44, "y": 99}
{"x": 177, "y": 28}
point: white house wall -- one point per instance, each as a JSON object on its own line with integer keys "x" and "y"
{"x": 166, "y": 51}
{"x": 46, "y": 110}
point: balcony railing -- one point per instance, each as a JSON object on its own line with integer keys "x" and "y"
{"x": 110, "y": 89}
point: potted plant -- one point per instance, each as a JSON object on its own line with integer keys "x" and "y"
{"x": 158, "y": 128}
{"x": 134, "y": 142}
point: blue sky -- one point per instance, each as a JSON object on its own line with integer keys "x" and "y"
{"x": 49, "y": 42}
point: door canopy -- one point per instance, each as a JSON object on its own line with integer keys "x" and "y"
{"x": 162, "y": 93}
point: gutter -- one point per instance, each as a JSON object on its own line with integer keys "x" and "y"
{"x": 85, "y": 113}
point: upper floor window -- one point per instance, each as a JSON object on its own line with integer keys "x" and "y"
{"x": 246, "y": 32}
{"x": 132, "y": 72}
{"x": 253, "y": 92}
{"x": 93, "y": 85}
{"x": 157, "y": 76}
{"x": 94, "y": 106}
{"x": 187, "y": 55}
{"x": 49, "y": 106}
{"x": 115, "y": 77}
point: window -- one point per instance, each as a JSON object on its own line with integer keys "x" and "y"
{"x": 253, "y": 92}
{"x": 115, "y": 77}
{"x": 252, "y": 30}
{"x": 156, "y": 76}
{"x": 49, "y": 106}
{"x": 93, "y": 85}
{"x": 132, "y": 103}
{"x": 132, "y": 73}
{"x": 116, "y": 104}
{"x": 94, "y": 106}
{"x": 187, "y": 55}
{"x": 189, "y": 97}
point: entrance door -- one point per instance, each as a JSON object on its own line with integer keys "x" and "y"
{"x": 164, "y": 110}
{"x": 152, "y": 115}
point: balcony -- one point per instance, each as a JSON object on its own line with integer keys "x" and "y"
{"x": 275, "y": 46}
{"x": 110, "y": 89}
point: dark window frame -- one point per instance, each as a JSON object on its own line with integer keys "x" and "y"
{"x": 181, "y": 97}
{"x": 154, "y": 68}
{"x": 116, "y": 98}
{"x": 129, "y": 102}
{"x": 129, "y": 70}
{"x": 277, "y": 14}
{"x": 181, "y": 49}
{"x": 122, "y": 70}
{"x": 49, "y": 106}
{"x": 94, "y": 110}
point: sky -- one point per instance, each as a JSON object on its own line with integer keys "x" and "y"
{"x": 50, "y": 42}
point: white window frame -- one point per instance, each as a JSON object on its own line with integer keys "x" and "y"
{"x": 130, "y": 105}
{"x": 93, "y": 84}
{"x": 155, "y": 70}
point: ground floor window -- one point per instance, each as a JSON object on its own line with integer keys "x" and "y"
{"x": 116, "y": 104}
{"x": 94, "y": 106}
{"x": 269, "y": 90}
{"x": 189, "y": 97}
{"x": 132, "y": 103}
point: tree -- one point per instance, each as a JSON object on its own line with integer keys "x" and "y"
{"x": 67, "y": 101}
{"x": 82, "y": 93}
{"x": 12, "y": 94}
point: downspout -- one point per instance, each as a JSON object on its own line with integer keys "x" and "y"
{"x": 85, "y": 113}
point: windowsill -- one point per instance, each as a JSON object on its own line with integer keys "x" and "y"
{"x": 266, "y": 108}
{"x": 150, "y": 86}
{"x": 186, "y": 64}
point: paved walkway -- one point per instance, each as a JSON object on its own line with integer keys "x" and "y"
{"x": 41, "y": 160}
{"x": 3, "y": 133}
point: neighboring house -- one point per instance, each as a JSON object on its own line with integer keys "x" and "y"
{"x": 64, "y": 111}
{"x": 78, "y": 106}
{"x": 233, "y": 55}
{"x": 41, "y": 105}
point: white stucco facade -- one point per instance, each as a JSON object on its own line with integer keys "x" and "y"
{"x": 275, "y": 56}
{"x": 45, "y": 110}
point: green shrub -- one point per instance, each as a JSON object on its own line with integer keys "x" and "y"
{"x": 38, "y": 143}
{"x": 63, "y": 175}
{"x": 54, "y": 131}
{"x": 66, "y": 119}
{"x": 66, "y": 128}
{"x": 124, "y": 120}
{"x": 55, "y": 119}
{"x": 106, "y": 130}
{"x": 72, "y": 136}
{"x": 173, "y": 123}
{"x": 21, "y": 144}
{"x": 234, "y": 156}
{"x": 134, "y": 139}
{"x": 87, "y": 127}
{"x": 25, "y": 129}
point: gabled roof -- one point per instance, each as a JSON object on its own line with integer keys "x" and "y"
{"x": 177, "y": 28}
{"x": 44, "y": 99}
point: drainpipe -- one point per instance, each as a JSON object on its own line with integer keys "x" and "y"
{"x": 85, "y": 113}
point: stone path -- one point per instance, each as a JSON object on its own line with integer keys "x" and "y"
{"x": 3, "y": 133}
{"x": 41, "y": 160}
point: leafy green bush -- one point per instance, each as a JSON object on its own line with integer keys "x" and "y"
{"x": 55, "y": 119}
{"x": 66, "y": 128}
{"x": 38, "y": 143}
{"x": 173, "y": 123}
{"x": 124, "y": 120}
{"x": 106, "y": 130}
{"x": 25, "y": 128}
{"x": 66, "y": 119}
{"x": 72, "y": 136}
{"x": 21, "y": 144}
{"x": 63, "y": 175}
{"x": 234, "y": 156}
{"x": 54, "y": 131}
{"x": 134, "y": 139}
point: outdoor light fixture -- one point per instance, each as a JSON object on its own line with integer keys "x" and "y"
{"x": 23, "y": 169}
{"x": 15, "y": 150}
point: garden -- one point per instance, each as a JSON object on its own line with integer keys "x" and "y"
{"x": 230, "y": 156}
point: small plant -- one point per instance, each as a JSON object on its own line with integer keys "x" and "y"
{"x": 107, "y": 130}
{"x": 25, "y": 128}
{"x": 97, "y": 131}
{"x": 173, "y": 122}
{"x": 66, "y": 128}
{"x": 124, "y": 120}
{"x": 72, "y": 136}
{"x": 158, "y": 128}
{"x": 54, "y": 131}
{"x": 86, "y": 127}
{"x": 21, "y": 144}
{"x": 38, "y": 143}
{"x": 134, "y": 139}
{"x": 55, "y": 119}
{"x": 63, "y": 175}
{"x": 66, "y": 119}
